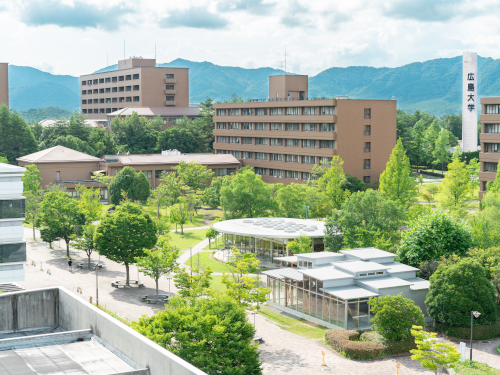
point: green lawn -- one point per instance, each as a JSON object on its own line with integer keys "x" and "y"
{"x": 478, "y": 368}
{"x": 299, "y": 326}
{"x": 202, "y": 261}
{"x": 216, "y": 283}
{"x": 188, "y": 239}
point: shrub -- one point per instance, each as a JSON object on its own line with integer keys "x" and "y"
{"x": 481, "y": 332}
{"x": 394, "y": 316}
{"x": 457, "y": 289}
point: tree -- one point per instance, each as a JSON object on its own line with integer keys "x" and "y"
{"x": 203, "y": 126}
{"x": 456, "y": 290}
{"x": 456, "y": 186}
{"x": 494, "y": 186}
{"x": 396, "y": 181}
{"x": 431, "y": 136}
{"x": 135, "y": 184}
{"x": 453, "y": 124}
{"x": 490, "y": 259}
{"x": 211, "y": 234}
{"x": 212, "y": 334}
{"x": 16, "y": 138}
{"x": 172, "y": 187}
{"x": 73, "y": 143}
{"x": 158, "y": 198}
{"x": 34, "y": 195}
{"x": 4, "y": 160}
{"x": 417, "y": 142}
{"x": 194, "y": 175}
{"x": 441, "y": 154}
{"x": 395, "y": 316}
{"x": 242, "y": 287}
{"x": 62, "y": 215}
{"x": 179, "y": 213}
{"x": 194, "y": 284}
{"x": 432, "y": 355}
{"x": 77, "y": 127}
{"x": 246, "y": 196}
{"x": 331, "y": 182}
{"x": 211, "y": 195}
{"x": 176, "y": 138}
{"x": 363, "y": 219}
{"x": 31, "y": 179}
{"x": 486, "y": 225}
{"x": 102, "y": 142}
{"x": 48, "y": 235}
{"x": 302, "y": 244}
{"x": 432, "y": 236}
{"x": 160, "y": 261}
{"x": 123, "y": 235}
{"x": 86, "y": 241}
{"x": 135, "y": 134}
{"x": 89, "y": 202}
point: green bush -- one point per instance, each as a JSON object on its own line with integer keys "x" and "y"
{"x": 481, "y": 332}
{"x": 368, "y": 345}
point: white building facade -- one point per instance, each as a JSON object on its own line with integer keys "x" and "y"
{"x": 12, "y": 212}
{"x": 470, "y": 102}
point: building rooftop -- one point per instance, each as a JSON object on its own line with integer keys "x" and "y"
{"x": 57, "y": 154}
{"x": 350, "y": 292}
{"x": 368, "y": 253}
{"x": 383, "y": 282}
{"x": 418, "y": 284}
{"x": 321, "y": 254}
{"x": 395, "y": 267}
{"x": 155, "y": 111}
{"x": 205, "y": 159}
{"x": 326, "y": 273}
{"x": 360, "y": 266}
{"x": 11, "y": 169}
{"x": 50, "y": 122}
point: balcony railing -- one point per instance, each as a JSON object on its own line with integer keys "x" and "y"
{"x": 291, "y": 99}
{"x": 366, "y": 149}
{"x": 68, "y": 182}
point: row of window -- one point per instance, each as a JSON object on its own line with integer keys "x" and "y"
{"x": 288, "y": 158}
{"x": 277, "y": 142}
{"x": 325, "y": 127}
{"x": 492, "y": 109}
{"x": 111, "y": 100}
{"x": 490, "y": 167}
{"x": 492, "y": 128}
{"x": 100, "y": 110}
{"x": 110, "y": 79}
{"x": 291, "y": 111}
{"x": 110, "y": 89}
{"x": 492, "y": 147}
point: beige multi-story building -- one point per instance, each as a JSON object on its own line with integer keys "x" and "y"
{"x": 284, "y": 136}
{"x": 136, "y": 83}
{"x": 489, "y": 137}
{"x": 4, "y": 84}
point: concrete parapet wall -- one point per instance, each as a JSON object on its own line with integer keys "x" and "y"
{"x": 48, "y": 339}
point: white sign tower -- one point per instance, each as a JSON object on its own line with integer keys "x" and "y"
{"x": 470, "y": 102}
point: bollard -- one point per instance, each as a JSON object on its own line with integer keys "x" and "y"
{"x": 79, "y": 290}
{"x": 49, "y": 272}
{"x": 398, "y": 365}
{"x": 91, "y": 300}
{"x": 41, "y": 268}
{"x": 33, "y": 263}
{"x": 323, "y": 363}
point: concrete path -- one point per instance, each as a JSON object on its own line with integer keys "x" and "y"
{"x": 192, "y": 228}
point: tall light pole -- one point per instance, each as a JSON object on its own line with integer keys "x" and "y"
{"x": 96, "y": 284}
{"x": 169, "y": 278}
{"x": 473, "y": 314}
{"x": 306, "y": 207}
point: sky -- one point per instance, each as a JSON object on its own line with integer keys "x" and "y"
{"x": 77, "y": 37}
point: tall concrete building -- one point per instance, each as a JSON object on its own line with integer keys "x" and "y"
{"x": 490, "y": 142}
{"x": 136, "y": 83}
{"x": 470, "y": 82}
{"x": 4, "y": 83}
{"x": 284, "y": 136}
{"x": 12, "y": 245}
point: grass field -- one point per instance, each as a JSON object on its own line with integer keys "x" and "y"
{"x": 202, "y": 261}
{"x": 188, "y": 239}
{"x": 478, "y": 368}
{"x": 216, "y": 283}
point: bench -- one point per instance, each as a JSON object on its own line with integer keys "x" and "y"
{"x": 92, "y": 264}
{"x": 117, "y": 284}
{"x": 257, "y": 338}
{"x": 154, "y": 300}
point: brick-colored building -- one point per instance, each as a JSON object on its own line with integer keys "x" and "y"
{"x": 284, "y": 136}
{"x": 490, "y": 142}
{"x": 136, "y": 83}
{"x": 169, "y": 115}
{"x": 4, "y": 84}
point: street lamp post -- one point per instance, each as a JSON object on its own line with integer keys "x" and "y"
{"x": 97, "y": 285}
{"x": 306, "y": 207}
{"x": 473, "y": 314}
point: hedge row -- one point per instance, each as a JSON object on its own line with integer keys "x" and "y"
{"x": 485, "y": 332}
{"x": 366, "y": 345}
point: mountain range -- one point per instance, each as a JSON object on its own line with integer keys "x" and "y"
{"x": 434, "y": 85}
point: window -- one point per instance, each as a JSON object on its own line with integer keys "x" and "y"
{"x": 306, "y": 176}
{"x": 276, "y": 173}
{"x": 101, "y": 110}
{"x": 84, "y": 83}
{"x": 108, "y": 79}
{"x": 310, "y": 111}
{"x": 129, "y": 99}
{"x": 292, "y": 158}
{"x": 136, "y": 87}
{"x": 147, "y": 173}
{"x": 169, "y": 76}
{"x": 247, "y": 111}
{"x": 292, "y": 127}
{"x": 327, "y": 110}
{"x": 247, "y": 155}
{"x": 309, "y": 127}
{"x": 492, "y": 147}
{"x": 114, "y": 109}
{"x": 108, "y": 100}
{"x": 492, "y": 128}
{"x": 234, "y": 139}
{"x": 114, "y": 79}
{"x": 327, "y": 144}
{"x": 114, "y": 100}
{"x": 366, "y": 164}
{"x": 292, "y": 111}
{"x": 261, "y": 112}
{"x": 222, "y": 125}
{"x": 12, "y": 208}
{"x": 128, "y": 88}
{"x": 292, "y": 174}
{"x": 233, "y": 125}
{"x": 366, "y": 179}
{"x": 101, "y": 80}
{"x": 490, "y": 167}
{"x": 223, "y": 171}
{"x": 96, "y": 91}
{"x": 121, "y": 78}
{"x": 246, "y": 140}
{"x": 95, "y": 101}
{"x": 114, "y": 89}
{"x": 276, "y": 126}
{"x": 13, "y": 252}
{"x": 309, "y": 143}
{"x": 84, "y": 101}
{"x": 169, "y": 87}
{"x": 136, "y": 98}
{"x": 101, "y": 100}
{"x": 221, "y": 112}
{"x": 236, "y": 154}
{"x": 128, "y": 77}
{"x": 84, "y": 92}
{"x": 174, "y": 121}
{"x": 276, "y": 141}
{"x": 84, "y": 111}
{"x": 101, "y": 91}
{"x": 261, "y": 171}
{"x": 108, "y": 110}
{"x": 368, "y": 129}
{"x": 89, "y": 82}
{"x": 95, "y": 81}
{"x": 292, "y": 143}
{"x": 261, "y": 141}
{"x": 492, "y": 109}
{"x": 309, "y": 159}
{"x": 368, "y": 113}
{"x": 222, "y": 152}
{"x": 327, "y": 127}
{"x": 276, "y": 111}
{"x": 325, "y": 160}
{"x": 221, "y": 139}
{"x": 169, "y": 98}
{"x": 261, "y": 156}
{"x": 234, "y": 112}
{"x": 160, "y": 174}
{"x": 108, "y": 89}
{"x": 121, "y": 88}
{"x": 261, "y": 126}
{"x": 95, "y": 110}
{"x": 367, "y": 147}
{"x": 276, "y": 157}
{"x": 247, "y": 125}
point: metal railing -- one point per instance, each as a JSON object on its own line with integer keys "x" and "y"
{"x": 76, "y": 182}
{"x": 291, "y": 99}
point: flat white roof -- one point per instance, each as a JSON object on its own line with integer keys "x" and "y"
{"x": 321, "y": 254}
{"x": 368, "y": 253}
{"x": 272, "y": 227}
{"x": 9, "y": 168}
{"x": 383, "y": 282}
{"x": 395, "y": 267}
{"x": 360, "y": 266}
{"x": 349, "y": 292}
{"x": 418, "y": 284}
{"x": 326, "y": 273}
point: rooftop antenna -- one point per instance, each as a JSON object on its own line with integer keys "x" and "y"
{"x": 347, "y": 71}
{"x": 281, "y": 67}
{"x": 123, "y": 49}
{"x": 285, "y": 60}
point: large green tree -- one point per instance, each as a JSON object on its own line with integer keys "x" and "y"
{"x": 418, "y": 142}
{"x": 440, "y": 153}
{"x": 34, "y": 195}
{"x": 62, "y": 215}
{"x": 332, "y": 180}
{"x": 193, "y": 175}
{"x": 396, "y": 181}
{"x": 134, "y": 184}
{"x": 457, "y": 185}
{"x": 123, "y": 235}
{"x": 16, "y": 138}
{"x": 135, "y": 134}
{"x": 177, "y": 138}
{"x": 89, "y": 202}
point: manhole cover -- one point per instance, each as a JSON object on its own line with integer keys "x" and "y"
{"x": 485, "y": 342}
{"x": 327, "y": 369}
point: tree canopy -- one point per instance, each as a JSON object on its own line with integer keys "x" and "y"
{"x": 16, "y": 138}
{"x": 176, "y": 138}
{"x": 134, "y": 184}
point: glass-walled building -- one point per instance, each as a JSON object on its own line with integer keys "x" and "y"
{"x": 333, "y": 289}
